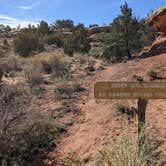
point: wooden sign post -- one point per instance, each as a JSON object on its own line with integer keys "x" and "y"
{"x": 142, "y": 91}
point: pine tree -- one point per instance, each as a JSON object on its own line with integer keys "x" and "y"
{"x": 124, "y": 37}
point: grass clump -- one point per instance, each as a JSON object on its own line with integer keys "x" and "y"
{"x": 153, "y": 73}
{"x": 33, "y": 74}
{"x": 10, "y": 64}
{"x": 55, "y": 64}
{"x": 123, "y": 151}
{"x": 64, "y": 91}
{"x": 125, "y": 109}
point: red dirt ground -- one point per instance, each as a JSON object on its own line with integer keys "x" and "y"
{"x": 99, "y": 120}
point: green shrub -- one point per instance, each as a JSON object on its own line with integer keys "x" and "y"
{"x": 56, "y": 39}
{"x": 124, "y": 109}
{"x": 153, "y": 73}
{"x": 64, "y": 91}
{"x": 23, "y": 132}
{"x": 42, "y": 135}
{"x": 77, "y": 42}
{"x": 26, "y": 43}
{"x": 64, "y": 24}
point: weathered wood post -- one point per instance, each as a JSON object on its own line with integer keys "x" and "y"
{"x": 1, "y": 75}
{"x": 141, "y": 118}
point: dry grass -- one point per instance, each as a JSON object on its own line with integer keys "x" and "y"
{"x": 123, "y": 151}
{"x": 33, "y": 73}
{"x": 55, "y": 63}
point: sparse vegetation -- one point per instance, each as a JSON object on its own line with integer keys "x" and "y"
{"x": 41, "y": 90}
{"x": 25, "y": 43}
{"x": 34, "y": 74}
{"x": 153, "y": 73}
{"x": 123, "y": 151}
{"x": 65, "y": 91}
{"x": 55, "y": 64}
{"x": 77, "y": 42}
{"x": 10, "y": 64}
{"x": 56, "y": 38}
{"x": 23, "y": 132}
{"x": 127, "y": 36}
{"x": 125, "y": 109}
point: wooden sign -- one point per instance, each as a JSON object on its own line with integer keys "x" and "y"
{"x": 129, "y": 90}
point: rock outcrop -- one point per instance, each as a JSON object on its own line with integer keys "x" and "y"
{"x": 158, "y": 20}
{"x": 158, "y": 47}
{"x": 98, "y": 29}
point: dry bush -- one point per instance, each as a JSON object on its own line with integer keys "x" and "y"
{"x": 55, "y": 63}
{"x": 33, "y": 73}
{"x": 84, "y": 59}
{"x": 23, "y": 132}
{"x": 10, "y": 64}
{"x": 125, "y": 109}
{"x": 123, "y": 151}
{"x": 65, "y": 91}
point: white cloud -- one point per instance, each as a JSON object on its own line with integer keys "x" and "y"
{"x": 25, "y": 7}
{"x": 30, "y": 7}
{"x": 13, "y": 22}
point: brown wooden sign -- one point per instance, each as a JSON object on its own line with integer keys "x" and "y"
{"x": 129, "y": 90}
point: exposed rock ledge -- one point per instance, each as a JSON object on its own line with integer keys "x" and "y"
{"x": 158, "y": 20}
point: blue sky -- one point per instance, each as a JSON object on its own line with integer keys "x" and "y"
{"x": 14, "y": 12}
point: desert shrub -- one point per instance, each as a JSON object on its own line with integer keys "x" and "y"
{"x": 26, "y": 43}
{"x": 56, "y": 39}
{"x": 123, "y": 151}
{"x": 33, "y": 74}
{"x": 77, "y": 42}
{"x": 43, "y": 28}
{"x": 64, "y": 24}
{"x": 10, "y": 63}
{"x": 125, "y": 109}
{"x": 57, "y": 65}
{"x": 153, "y": 73}
{"x": 23, "y": 132}
{"x": 84, "y": 59}
{"x": 42, "y": 135}
{"x": 65, "y": 91}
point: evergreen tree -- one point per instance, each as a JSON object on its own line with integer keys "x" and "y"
{"x": 44, "y": 28}
{"x": 77, "y": 41}
{"x": 124, "y": 37}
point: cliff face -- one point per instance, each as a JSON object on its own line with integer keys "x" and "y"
{"x": 158, "y": 20}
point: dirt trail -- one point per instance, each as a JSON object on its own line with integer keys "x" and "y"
{"x": 99, "y": 120}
